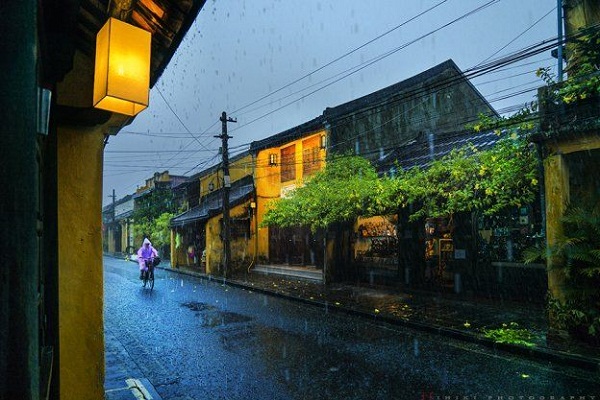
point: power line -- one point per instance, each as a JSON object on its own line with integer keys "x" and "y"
{"x": 110, "y": 152}
{"x": 374, "y": 60}
{"x": 518, "y": 36}
{"x": 493, "y": 71}
{"x": 169, "y": 135}
{"x": 368, "y": 63}
{"x": 340, "y": 57}
{"x": 412, "y": 121}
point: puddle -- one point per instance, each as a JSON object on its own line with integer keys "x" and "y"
{"x": 210, "y": 316}
{"x": 196, "y": 306}
{"x": 222, "y": 318}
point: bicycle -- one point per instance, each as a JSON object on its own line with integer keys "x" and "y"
{"x": 148, "y": 274}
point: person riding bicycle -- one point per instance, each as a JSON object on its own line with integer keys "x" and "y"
{"x": 146, "y": 253}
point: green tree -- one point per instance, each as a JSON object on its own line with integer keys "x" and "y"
{"x": 464, "y": 180}
{"x": 584, "y": 73}
{"x": 150, "y": 214}
{"x": 578, "y": 249}
{"x": 348, "y": 187}
{"x": 467, "y": 180}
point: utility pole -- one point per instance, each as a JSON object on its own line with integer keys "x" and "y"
{"x": 559, "y": 10}
{"x": 112, "y": 225}
{"x": 226, "y": 186}
{"x": 114, "y": 200}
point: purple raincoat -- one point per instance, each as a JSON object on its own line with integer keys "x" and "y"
{"x": 146, "y": 252}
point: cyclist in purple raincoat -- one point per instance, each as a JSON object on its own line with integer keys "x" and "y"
{"x": 145, "y": 253}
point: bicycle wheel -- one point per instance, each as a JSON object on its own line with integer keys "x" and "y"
{"x": 151, "y": 278}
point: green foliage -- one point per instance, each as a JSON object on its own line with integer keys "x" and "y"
{"x": 346, "y": 188}
{"x": 583, "y": 82}
{"x": 512, "y": 334}
{"x": 469, "y": 180}
{"x": 464, "y": 180}
{"x": 161, "y": 232}
{"x": 584, "y": 78}
{"x": 149, "y": 214}
{"x": 578, "y": 246}
{"x": 584, "y": 74}
{"x": 576, "y": 252}
{"x": 577, "y": 317}
{"x": 523, "y": 120}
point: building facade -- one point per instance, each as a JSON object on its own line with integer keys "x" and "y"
{"x": 434, "y": 103}
{"x": 117, "y": 227}
{"x": 197, "y": 235}
{"x": 284, "y": 162}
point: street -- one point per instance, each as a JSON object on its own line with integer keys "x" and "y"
{"x": 199, "y": 339}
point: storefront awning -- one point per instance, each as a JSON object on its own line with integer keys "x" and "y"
{"x": 124, "y": 215}
{"x": 212, "y": 204}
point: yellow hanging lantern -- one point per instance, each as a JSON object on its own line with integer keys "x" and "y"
{"x": 122, "y": 72}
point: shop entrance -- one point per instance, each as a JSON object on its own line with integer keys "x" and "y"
{"x": 295, "y": 246}
{"x": 439, "y": 253}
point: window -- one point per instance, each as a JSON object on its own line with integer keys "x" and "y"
{"x": 288, "y": 163}
{"x": 310, "y": 155}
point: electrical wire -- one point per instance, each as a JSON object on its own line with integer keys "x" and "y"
{"x": 373, "y": 61}
{"x": 518, "y": 36}
{"x": 339, "y": 58}
{"x": 191, "y": 151}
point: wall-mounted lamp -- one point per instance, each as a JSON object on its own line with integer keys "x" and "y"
{"x": 323, "y": 141}
{"x": 122, "y": 71}
{"x": 211, "y": 187}
{"x": 272, "y": 159}
{"x": 251, "y": 208}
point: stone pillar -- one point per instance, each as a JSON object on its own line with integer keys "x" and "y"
{"x": 79, "y": 221}
{"x": 80, "y": 263}
{"x": 556, "y": 175}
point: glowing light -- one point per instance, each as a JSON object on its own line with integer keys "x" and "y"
{"x": 122, "y": 71}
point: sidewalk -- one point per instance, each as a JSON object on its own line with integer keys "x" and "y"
{"x": 444, "y": 314}
{"x": 124, "y": 380}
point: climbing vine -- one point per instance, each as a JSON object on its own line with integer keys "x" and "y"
{"x": 466, "y": 179}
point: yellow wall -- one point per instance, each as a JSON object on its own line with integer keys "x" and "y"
{"x": 267, "y": 180}
{"x": 214, "y": 246}
{"x": 237, "y": 170}
{"x": 80, "y": 277}
{"x": 158, "y": 177}
{"x": 125, "y": 230}
{"x": 556, "y": 176}
{"x": 241, "y": 248}
{"x": 80, "y": 264}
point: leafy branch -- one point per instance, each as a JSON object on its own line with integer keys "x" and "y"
{"x": 464, "y": 180}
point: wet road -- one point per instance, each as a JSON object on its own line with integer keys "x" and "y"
{"x": 199, "y": 339}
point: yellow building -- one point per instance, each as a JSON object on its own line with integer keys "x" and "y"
{"x": 284, "y": 162}
{"x": 196, "y": 234}
{"x": 570, "y": 142}
{"x": 272, "y": 168}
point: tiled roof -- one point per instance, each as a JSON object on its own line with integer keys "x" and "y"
{"x": 212, "y": 204}
{"x": 288, "y": 135}
{"x": 421, "y": 151}
{"x": 401, "y": 88}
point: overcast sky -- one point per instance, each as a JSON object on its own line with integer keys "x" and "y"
{"x": 274, "y": 64}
